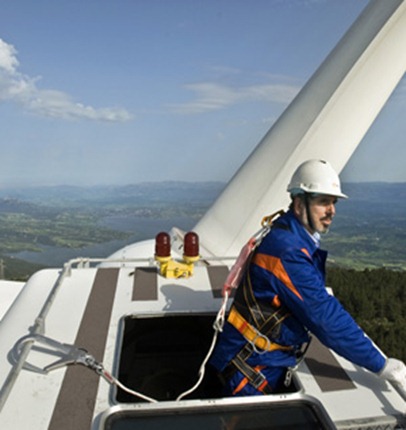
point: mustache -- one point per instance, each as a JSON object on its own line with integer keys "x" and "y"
{"x": 327, "y": 218}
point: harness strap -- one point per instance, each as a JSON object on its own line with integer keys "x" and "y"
{"x": 254, "y": 336}
{"x": 252, "y": 375}
{"x": 272, "y": 325}
{"x": 265, "y": 316}
{"x": 245, "y": 381}
{"x": 258, "y": 342}
{"x": 252, "y": 305}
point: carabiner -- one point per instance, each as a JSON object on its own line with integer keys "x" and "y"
{"x": 69, "y": 354}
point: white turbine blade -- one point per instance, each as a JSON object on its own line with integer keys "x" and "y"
{"x": 327, "y": 120}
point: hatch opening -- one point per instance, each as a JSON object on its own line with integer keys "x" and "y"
{"x": 161, "y": 357}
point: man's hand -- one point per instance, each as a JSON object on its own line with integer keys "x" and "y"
{"x": 394, "y": 371}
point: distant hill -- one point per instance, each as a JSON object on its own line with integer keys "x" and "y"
{"x": 370, "y": 227}
{"x": 143, "y": 193}
{"x": 370, "y": 193}
{"x": 369, "y": 230}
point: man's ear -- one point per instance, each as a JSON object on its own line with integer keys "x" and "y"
{"x": 297, "y": 205}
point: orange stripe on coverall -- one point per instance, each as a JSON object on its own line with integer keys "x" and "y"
{"x": 275, "y": 266}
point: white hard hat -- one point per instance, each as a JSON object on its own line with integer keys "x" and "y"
{"x": 316, "y": 176}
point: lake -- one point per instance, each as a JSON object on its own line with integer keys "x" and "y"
{"x": 143, "y": 228}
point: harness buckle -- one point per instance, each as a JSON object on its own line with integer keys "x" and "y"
{"x": 258, "y": 380}
{"x": 288, "y": 377}
{"x": 258, "y": 336}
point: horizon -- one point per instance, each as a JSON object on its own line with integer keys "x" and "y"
{"x": 162, "y": 182}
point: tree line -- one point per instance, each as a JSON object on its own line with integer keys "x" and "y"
{"x": 376, "y": 300}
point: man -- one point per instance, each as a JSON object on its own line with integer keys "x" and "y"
{"x": 282, "y": 298}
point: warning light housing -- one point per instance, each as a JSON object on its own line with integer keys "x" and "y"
{"x": 162, "y": 246}
{"x": 191, "y": 247}
{"x": 168, "y": 267}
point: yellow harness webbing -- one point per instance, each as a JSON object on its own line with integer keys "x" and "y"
{"x": 252, "y": 335}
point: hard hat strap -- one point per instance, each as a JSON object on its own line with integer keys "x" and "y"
{"x": 307, "y": 198}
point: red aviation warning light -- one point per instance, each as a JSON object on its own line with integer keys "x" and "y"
{"x": 162, "y": 246}
{"x": 191, "y": 247}
{"x": 170, "y": 268}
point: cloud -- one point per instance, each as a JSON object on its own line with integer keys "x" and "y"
{"x": 8, "y": 60}
{"x": 212, "y": 96}
{"x": 21, "y": 89}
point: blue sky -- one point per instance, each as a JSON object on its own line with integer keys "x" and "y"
{"x": 127, "y": 91}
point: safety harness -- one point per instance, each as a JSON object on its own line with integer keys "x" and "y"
{"x": 257, "y": 321}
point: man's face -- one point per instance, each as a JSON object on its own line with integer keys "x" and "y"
{"x": 321, "y": 211}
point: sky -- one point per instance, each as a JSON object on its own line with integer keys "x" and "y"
{"x": 128, "y": 91}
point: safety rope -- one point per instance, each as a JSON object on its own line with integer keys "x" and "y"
{"x": 107, "y": 376}
{"x": 218, "y": 327}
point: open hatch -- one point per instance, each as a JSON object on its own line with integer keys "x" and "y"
{"x": 161, "y": 356}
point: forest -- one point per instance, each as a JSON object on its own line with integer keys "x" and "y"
{"x": 376, "y": 299}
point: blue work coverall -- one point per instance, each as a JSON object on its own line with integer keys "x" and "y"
{"x": 289, "y": 264}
